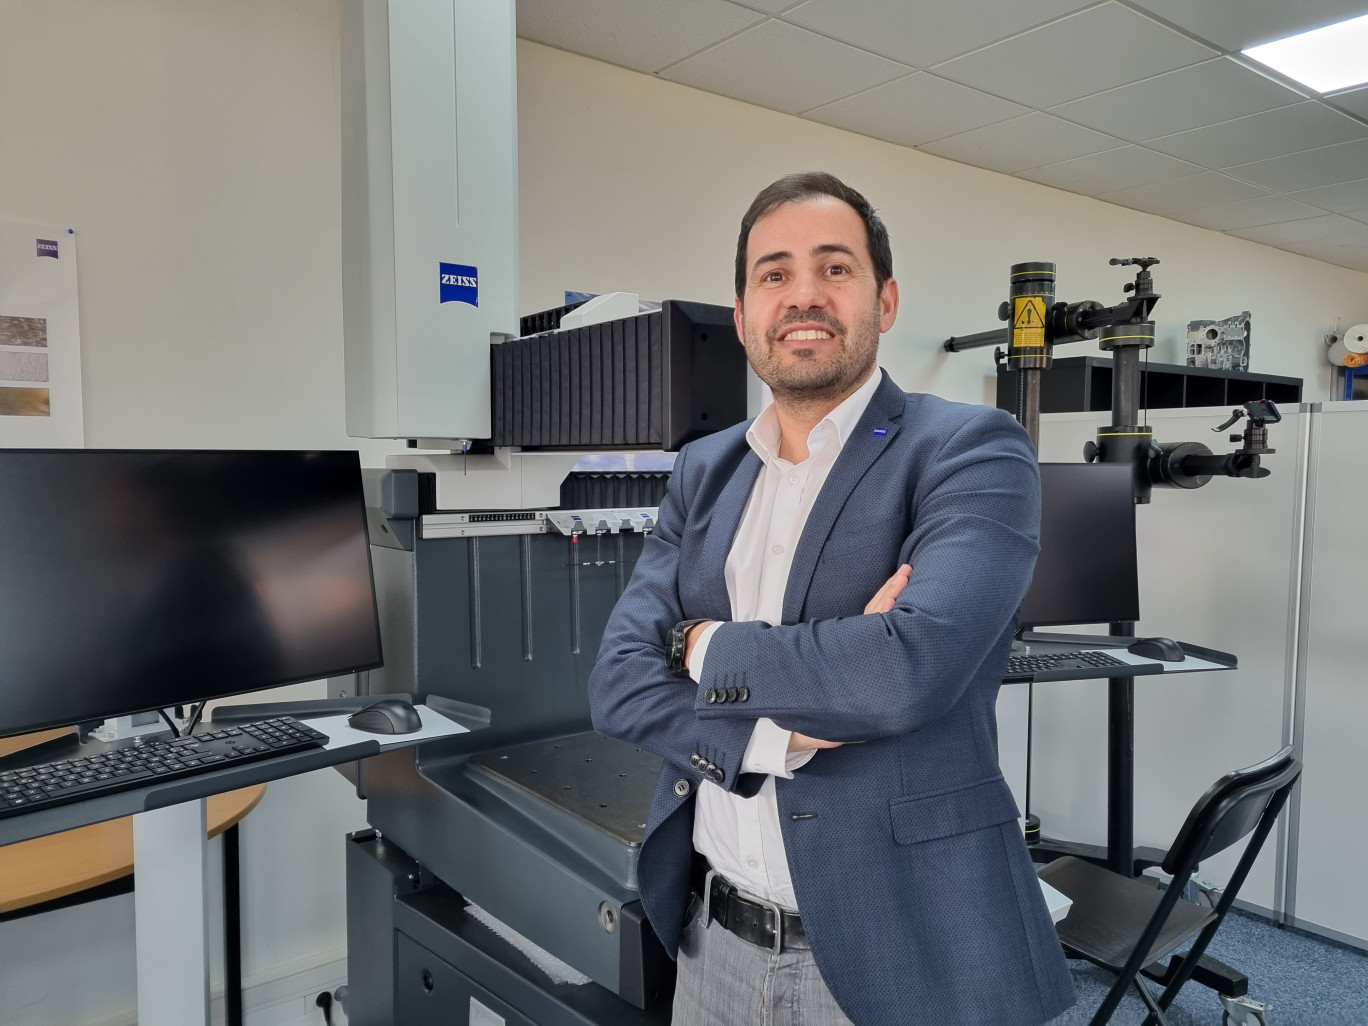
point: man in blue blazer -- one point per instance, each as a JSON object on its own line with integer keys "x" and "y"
{"x": 813, "y": 640}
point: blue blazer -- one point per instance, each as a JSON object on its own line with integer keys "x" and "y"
{"x": 914, "y": 883}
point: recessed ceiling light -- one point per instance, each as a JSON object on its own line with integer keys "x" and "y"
{"x": 1326, "y": 59}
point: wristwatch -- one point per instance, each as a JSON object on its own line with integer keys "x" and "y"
{"x": 675, "y": 643}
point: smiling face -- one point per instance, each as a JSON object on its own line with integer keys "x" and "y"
{"x": 811, "y": 313}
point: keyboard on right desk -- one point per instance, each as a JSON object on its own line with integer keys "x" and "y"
{"x": 155, "y": 760}
{"x": 1048, "y": 662}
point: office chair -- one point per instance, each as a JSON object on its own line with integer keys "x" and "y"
{"x": 1124, "y": 924}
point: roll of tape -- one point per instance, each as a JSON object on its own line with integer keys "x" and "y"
{"x": 1350, "y": 347}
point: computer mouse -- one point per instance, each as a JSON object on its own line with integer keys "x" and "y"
{"x": 1165, "y": 649}
{"x": 387, "y": 716}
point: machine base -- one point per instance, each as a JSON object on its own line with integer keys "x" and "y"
{"x": 419, "y": 958}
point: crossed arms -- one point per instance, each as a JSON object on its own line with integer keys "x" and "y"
{"x": 922, "y": 639}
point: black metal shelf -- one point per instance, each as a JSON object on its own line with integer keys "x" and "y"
{"x": 1083, "y": 383}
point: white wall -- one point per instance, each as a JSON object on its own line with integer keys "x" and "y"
{"x": 194, "y": 148}
{"x": 630, "y": 182}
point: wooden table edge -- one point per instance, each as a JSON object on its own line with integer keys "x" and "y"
{"x": 45, "y": 863}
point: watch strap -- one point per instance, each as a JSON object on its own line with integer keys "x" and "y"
{"x": 678, "y": 639}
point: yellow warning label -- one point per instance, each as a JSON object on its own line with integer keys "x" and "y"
{"x": 1028, "y": 322}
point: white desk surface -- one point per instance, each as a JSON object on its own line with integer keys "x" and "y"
{"x": 340, "y": 735}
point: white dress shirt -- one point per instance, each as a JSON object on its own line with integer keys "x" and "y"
{"x": 740, "y": 837}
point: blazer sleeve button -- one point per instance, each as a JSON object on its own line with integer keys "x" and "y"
{"x": 731, "y": 694}
{"x": 695, "y": 760}
{"x": 710, "y": 696}
{"x": 744, "y": 693}
{"x": 716, "y": 775}
{"x": 681, "y": 788}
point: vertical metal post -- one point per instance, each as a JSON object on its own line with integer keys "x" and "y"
{"x": 1028, "y": 403}
{"x": 1121, "y": 768}
{"x": 1031, "y": 294}
{"x": 1125, "y": 441}
{"x": 170, "y": 915}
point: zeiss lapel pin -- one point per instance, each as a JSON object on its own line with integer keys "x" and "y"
{"x": 880, "y": 432}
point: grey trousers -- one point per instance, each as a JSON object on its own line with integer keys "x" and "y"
{"x": 725, "y": 981}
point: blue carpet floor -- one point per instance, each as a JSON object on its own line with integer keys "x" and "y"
{"x": 1308, "y": 981}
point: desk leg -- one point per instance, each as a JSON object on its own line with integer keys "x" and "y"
{"x": 232, "y": 930}
{"x": 169, "y": 900}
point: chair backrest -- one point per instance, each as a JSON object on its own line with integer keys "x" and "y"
{"x": 1231, "y": 808}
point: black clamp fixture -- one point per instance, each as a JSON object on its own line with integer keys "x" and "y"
{"x": 1037, "y": 323}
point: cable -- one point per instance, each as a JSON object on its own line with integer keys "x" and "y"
{"x": 324, "y": 1001}
{"x": 169, "y": 722}
{"x": 194, "y": 719}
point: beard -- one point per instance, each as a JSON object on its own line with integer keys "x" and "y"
{"x": 829, "y": 371}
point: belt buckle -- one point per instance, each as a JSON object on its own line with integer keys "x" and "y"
{"x": 778, "y": 914}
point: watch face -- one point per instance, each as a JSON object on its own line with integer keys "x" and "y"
{"x": 677, "y": 633}
{"x": 676, "y": 649}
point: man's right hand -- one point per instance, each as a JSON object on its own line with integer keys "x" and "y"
{"x": 803, "y": 743}
{"x": 882, "y": 602}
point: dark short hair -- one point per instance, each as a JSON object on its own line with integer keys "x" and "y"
{"x": 807, "y": 185}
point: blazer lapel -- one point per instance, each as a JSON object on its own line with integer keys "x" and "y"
{"x": 876, "y": 429}
{"x": 726, "y": 518}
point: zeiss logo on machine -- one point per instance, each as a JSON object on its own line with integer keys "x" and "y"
{"x": 47, "y": 248}
{"x": 460, "y": 284}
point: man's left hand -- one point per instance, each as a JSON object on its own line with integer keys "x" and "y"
{"x": 884, "y": 598}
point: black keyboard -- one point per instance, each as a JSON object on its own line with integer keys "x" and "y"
{"x": 125, "y": 769}
{"x": 1041, "y": 662}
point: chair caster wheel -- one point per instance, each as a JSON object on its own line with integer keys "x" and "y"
{"x": 1243, "y": 1011}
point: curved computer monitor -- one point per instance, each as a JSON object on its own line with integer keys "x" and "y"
{"x": 137, "y": 580}
{"x": 1086, "y": 570}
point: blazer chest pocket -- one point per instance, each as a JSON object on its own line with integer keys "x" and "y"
{"x": 976, "y": 807}
{"x": 875, "y": 539}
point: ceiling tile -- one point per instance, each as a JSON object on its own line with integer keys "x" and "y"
{"x": 930, "y": 33}
{"x": 1084, "y": 53}
{"x": 1202, "y": 94}
{"x": 1310, "y": 169}
{"x": 1358, "y": 215}
{"x": 783, "y": 67}
{"x": 1309, "y": 229}
{"x": 1248, "y": 213}
{"x": 1337, "y": 198}
{"x": 1106, "y": 172}
{"x": 1354, "y": 100}
{"x": 644, "y": 35}
{"x": 1302, "y": 126}
{"x": 768, "y": 6}
{"x": 1183, "y": 193}
{"x": 916, "y": 109}
{"x": 1025, "y": 142}
{"x": 1239, "y": 24}
{"x": 1345, "y": 250}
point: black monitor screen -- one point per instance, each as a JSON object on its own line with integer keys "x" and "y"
{"x": 141, "y": 580}
{"x": 1086, "y": 571}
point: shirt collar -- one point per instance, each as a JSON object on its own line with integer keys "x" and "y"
{"x": 763, "y": 434}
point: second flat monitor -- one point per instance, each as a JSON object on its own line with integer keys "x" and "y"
{"x": 1086, "y": 571}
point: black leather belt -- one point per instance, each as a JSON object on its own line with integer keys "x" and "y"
{"x": 759, "y": 922}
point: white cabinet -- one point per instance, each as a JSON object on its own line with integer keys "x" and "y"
{"x": 1328, "y": 886}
